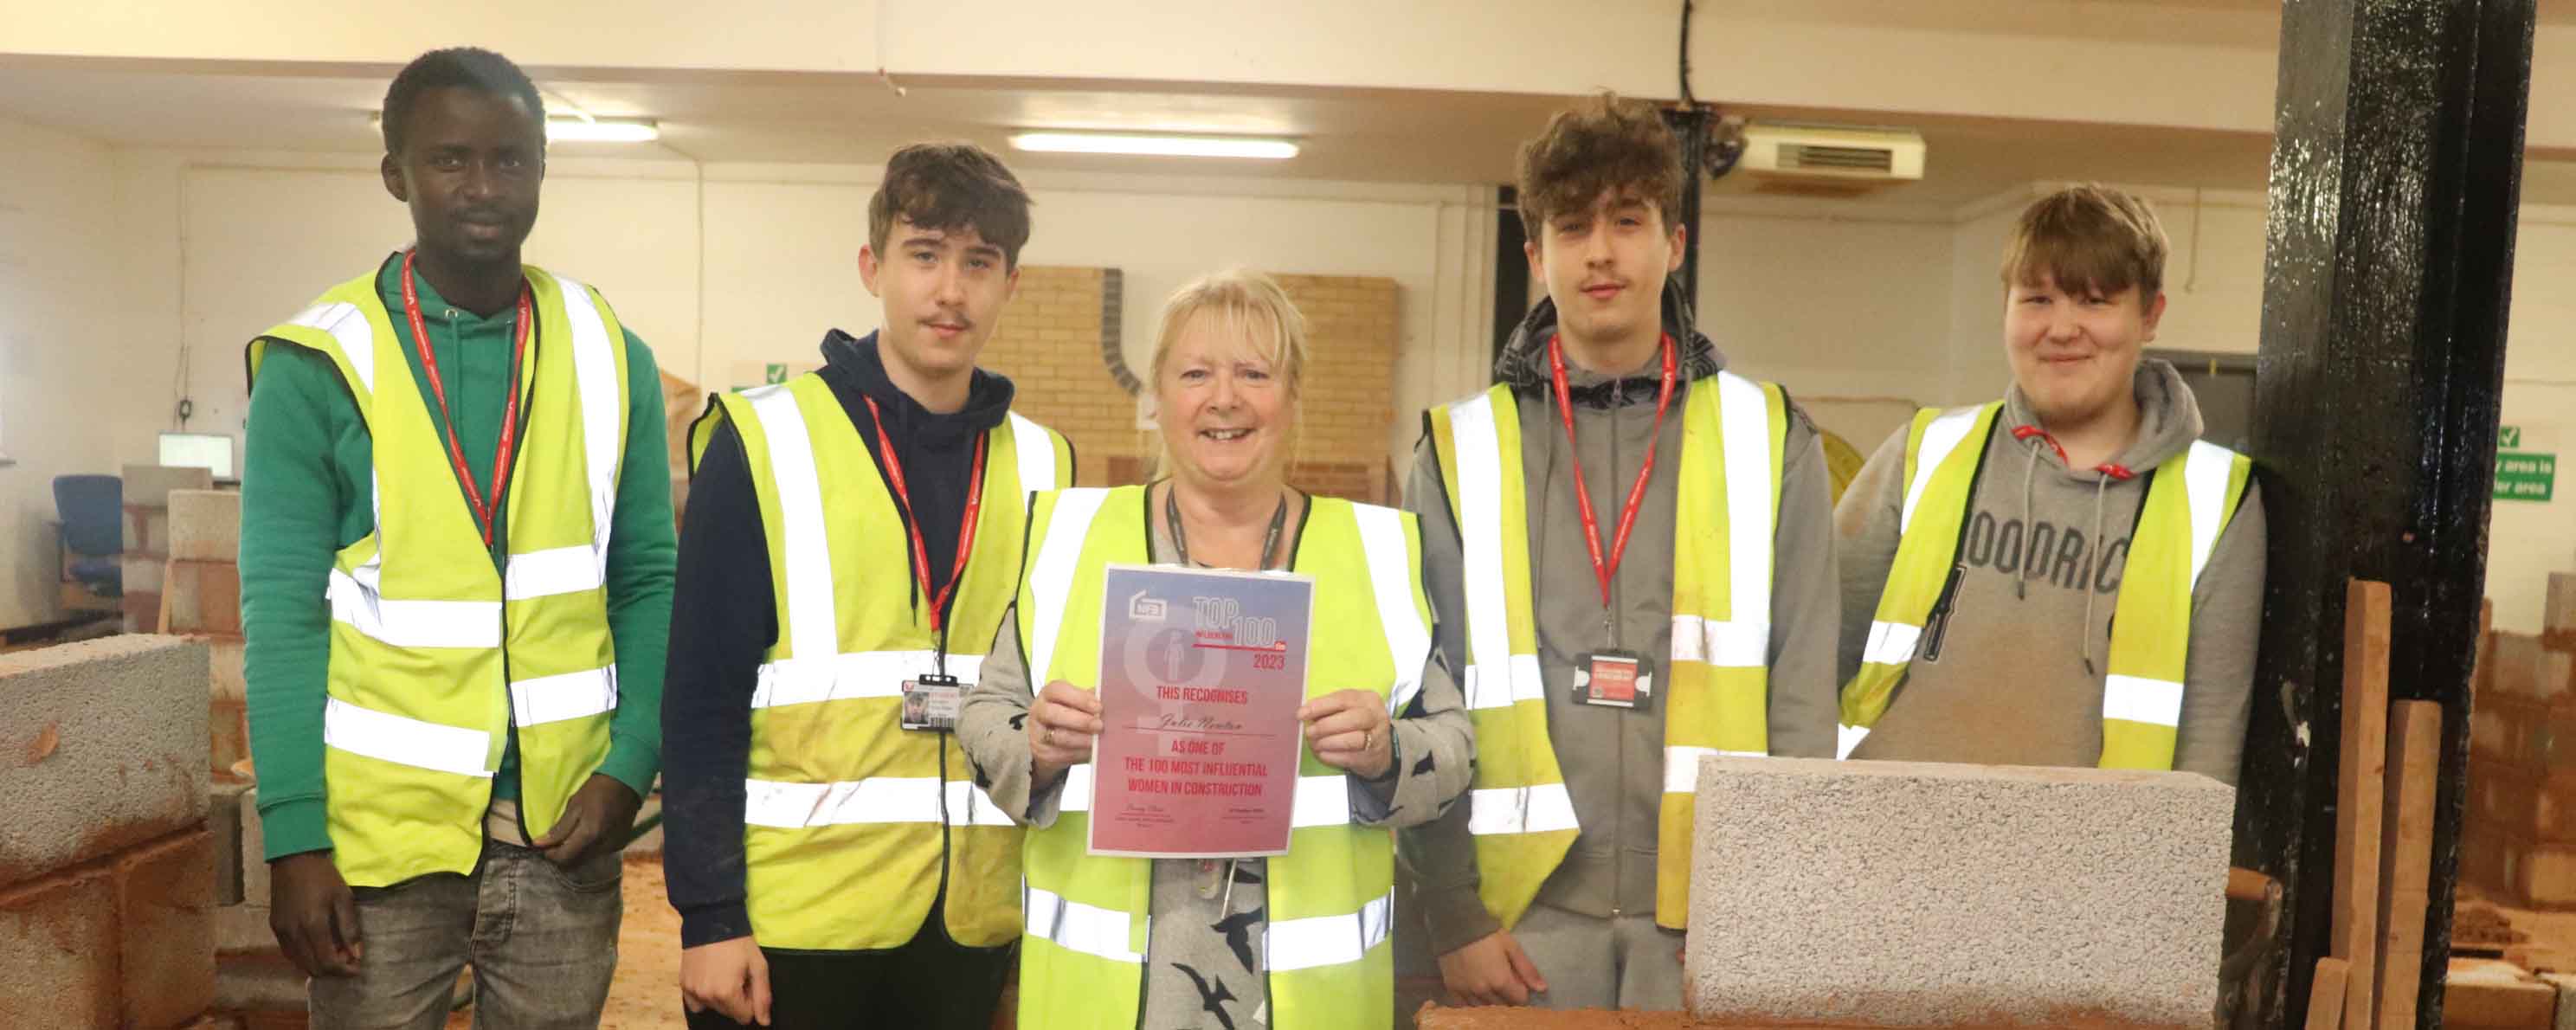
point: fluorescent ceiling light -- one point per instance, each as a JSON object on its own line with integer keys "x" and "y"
{"x": 1155, "y": 145}
{"x": 604, "y": 130}
{"x": 576, "y": 130}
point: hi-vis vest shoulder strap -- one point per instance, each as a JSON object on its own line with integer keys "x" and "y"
{"x": 2189, "y": 501}
{"x": 1324, "y": 946}
{"x": 832, "y": 774}
{"x": 1717, "y": 681}
{"x": 435, "y": 655}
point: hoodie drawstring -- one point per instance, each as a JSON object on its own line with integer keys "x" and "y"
{"x": 2105, "y": 473}
{"x": 2100, "y": 485}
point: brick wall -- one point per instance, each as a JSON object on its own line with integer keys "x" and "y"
{"x": 1055, "y": 340}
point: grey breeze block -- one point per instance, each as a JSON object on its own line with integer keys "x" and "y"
{"x": 102, "y": 746}
{"x": 1920, "y": 894}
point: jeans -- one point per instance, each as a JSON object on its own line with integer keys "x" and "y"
{"x": 542, "y": 940}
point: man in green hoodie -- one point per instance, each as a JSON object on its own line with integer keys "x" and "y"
{"x": 2070, "y": 575}
{"x": 456, "y": 586}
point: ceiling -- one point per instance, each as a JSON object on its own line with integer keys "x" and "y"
{"x": 1385, "y": 136}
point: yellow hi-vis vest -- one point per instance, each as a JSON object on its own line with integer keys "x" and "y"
{"x": 1331, "y": 902}
{"x": 1716, "y": 693}
{"x": 851, "y": 823}
{"x": 434, "y": 654}
{"x": 2188, "y": 504}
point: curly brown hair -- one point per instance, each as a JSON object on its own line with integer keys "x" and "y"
{"x": 2088, "y": 238}
{"x": 951, "y": 186}
{"x": 1607, "y": 146}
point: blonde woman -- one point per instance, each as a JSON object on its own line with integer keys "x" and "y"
{"x": 1299, "y": 941}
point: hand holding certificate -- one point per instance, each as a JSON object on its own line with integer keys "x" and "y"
{"x": 1203, "y": 675}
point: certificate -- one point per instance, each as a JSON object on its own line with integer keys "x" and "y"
{"x": 1201, "y": 675}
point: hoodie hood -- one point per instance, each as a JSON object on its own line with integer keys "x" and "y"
{"x": 1523, "y": 362}
{"x": 854, "y": 364}
{"x": 2168, "y": 421}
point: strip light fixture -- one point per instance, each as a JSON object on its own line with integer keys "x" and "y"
{"x": 579, "y": 130}
{"x": 1155, "y": 145}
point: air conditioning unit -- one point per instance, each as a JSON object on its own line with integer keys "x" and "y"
{"x": 1810, "y": 157}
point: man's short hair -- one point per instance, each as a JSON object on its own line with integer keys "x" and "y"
{"x": 471, "y": 67}
{"x": 1607, "y": 146}
{"x": 2088, "y": 239}
{"x": 948, "y": 187}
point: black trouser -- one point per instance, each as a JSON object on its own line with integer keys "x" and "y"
{"x": 930, "y": 982}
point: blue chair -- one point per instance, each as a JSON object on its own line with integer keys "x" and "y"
{"x": 93, "y": 513}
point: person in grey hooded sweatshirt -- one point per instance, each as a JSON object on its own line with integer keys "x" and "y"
{"x": 1629, "y": 554}
{"x": 2068, "y": 576}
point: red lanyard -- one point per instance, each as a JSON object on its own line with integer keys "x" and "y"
{"x": 484, "y": 510}
{"x": 1603, "y": 570}
{"x": 965, "y": 527}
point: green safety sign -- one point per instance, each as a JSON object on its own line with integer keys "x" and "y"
{"x": 2508, "y": 436}
{"x": 2524, "y": 476}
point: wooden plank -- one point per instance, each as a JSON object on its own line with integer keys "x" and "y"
{"x": 2361, "y": 794}
{"x": 2326, "y": 994}
{"x": 2406, "y": 858}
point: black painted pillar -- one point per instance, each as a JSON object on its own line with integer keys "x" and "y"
{"x": 2396, "y": 177}
{"x": 1691, "y": 125}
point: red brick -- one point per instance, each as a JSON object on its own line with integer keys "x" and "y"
{"x": 165, "y": 898}
{"x": 58, "y": 952}
{"x": 202, "y": 597}
{"x": 228, "y": 732}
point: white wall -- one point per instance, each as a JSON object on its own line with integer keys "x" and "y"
{"x": 64, "y": 366}
{"x": 227, "y": 244}
{"x": 1860, "y": 314}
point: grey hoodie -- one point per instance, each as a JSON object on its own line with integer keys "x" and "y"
{"x": 1613, "y": 759}
{"x": 2019, "y": 680}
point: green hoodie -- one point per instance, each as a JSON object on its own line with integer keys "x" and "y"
{"x": 306, "y": 467}
{"x": 2020, "y": 673}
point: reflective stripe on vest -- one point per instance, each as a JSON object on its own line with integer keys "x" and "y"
{"x": 2189, "y": 501}
{"x": 831, "y": 771}
{"x": 1330, "y": 898}
{"x": 421, "y": 696}
{"x": 1716, "y": 683}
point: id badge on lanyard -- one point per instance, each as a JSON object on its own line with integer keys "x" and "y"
{"x": 931, "y": 702}
{"x": 1614, "y": 679}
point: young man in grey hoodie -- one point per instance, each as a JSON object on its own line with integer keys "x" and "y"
{"x": 1627, "y": 548}
{"x": 2068, "y": 576}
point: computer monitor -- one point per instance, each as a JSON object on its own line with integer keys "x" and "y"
{"x": 212, "y": 451}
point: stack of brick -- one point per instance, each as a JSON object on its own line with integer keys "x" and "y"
{"x": 201, "y": 598}
{"x": 253, "y": 979}
{"x": 147, "y": 535}
{"x": 2519, "y": 839}
{"x": 107, "y": 866}
{"x": 1061, "y": 345}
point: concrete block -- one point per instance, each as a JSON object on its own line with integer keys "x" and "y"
{"x": 165, "y": 901}
{"x": 201, "y": 598}
{"x": 102, "y": 747}
{"x": 254, "y": 851}
{"x": 58, "y": 942}
{"x": 1904, "y": 894}
{"x": 224, "y": 820}
{"x": 205, "y": 525}
{"x": 150, "y": 485}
